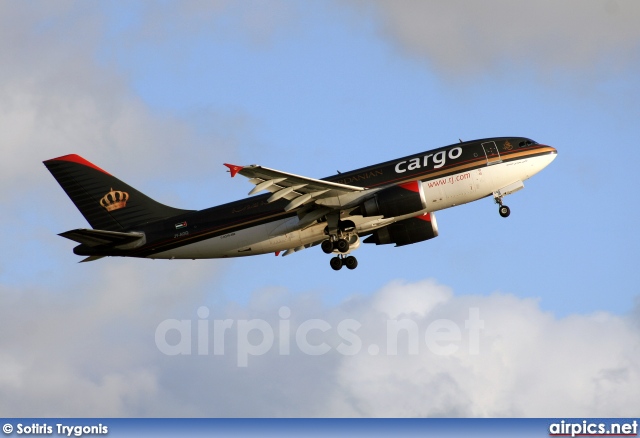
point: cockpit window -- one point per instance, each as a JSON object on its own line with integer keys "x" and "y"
{"x": 527, "y": 142}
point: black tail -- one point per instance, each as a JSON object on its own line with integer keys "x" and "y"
{"x": 106, "y": 202}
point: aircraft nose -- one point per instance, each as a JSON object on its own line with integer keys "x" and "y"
{"x": 551, "y": 150}
{"x": 553, "y": 153}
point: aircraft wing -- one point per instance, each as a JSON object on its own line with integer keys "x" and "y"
{"x": 300, "y": 190}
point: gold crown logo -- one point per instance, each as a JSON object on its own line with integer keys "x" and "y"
{"x": 114, "y": 200}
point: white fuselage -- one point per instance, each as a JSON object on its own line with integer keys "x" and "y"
{"x": 440, "y": 193}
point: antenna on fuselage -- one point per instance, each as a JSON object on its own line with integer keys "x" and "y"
{"x": 460, "y": 140}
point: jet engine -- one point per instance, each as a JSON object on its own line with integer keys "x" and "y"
{"x": 396, "y": 201}
{"x": 406, "y": 232}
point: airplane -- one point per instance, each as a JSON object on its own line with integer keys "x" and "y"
{"x": 388, "y": 203}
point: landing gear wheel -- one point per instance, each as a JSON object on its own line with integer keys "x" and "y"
{"x": 342, "y": 245}
{"x": 336, "y": 263}
{"x": 327, "y": 246}
{"x": 504, "y": 211}
{"x": 351, "y": 262}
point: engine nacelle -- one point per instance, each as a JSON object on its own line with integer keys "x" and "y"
{"x": 406, "y": 232}
{"x": 396, "y": 201}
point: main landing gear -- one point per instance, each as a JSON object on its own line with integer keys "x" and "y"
{"x": 328, "y": 246}
{"x": 341, "y": 245}
{"x": 503, "y": 209}
{"x": 341, "y": 239}
{"x": 339, "y": 261}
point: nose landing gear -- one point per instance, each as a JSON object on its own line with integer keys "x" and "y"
{"x": 503, "y": 209}
{"x": 504, "y": 191}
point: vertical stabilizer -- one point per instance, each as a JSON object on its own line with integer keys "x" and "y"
{"x": 105, "y": 201}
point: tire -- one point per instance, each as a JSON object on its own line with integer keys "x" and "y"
{"x": 504, "y": 211}
{"x": 336, "y": 263}
{"x": 327, "y": 246}
{"x": 351, "y": 262}
{"x": 342, "y": 245}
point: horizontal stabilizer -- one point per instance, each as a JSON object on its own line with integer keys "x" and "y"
{"x": 113, "y": 239}
{"x": 90, "y": 259}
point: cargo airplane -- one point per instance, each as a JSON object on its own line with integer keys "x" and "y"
{"x": 388, "y": 203}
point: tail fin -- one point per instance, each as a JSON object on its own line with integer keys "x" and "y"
{"x": 106, "y": 202}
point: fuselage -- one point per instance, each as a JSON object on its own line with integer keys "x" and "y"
{"x": 451, "y": 175}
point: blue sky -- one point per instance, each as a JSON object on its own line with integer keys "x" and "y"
{"x": 161, "y": 94}
{"x": 328, "y": 94}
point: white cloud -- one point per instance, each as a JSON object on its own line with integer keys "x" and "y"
{"x": 56, "y": 98}
{"x": 98, "y": 345}
{"x": 529, "y": 364}
{"x": 83, "y": 348}
{"x": 413, "y": 302}
{"x": 466, "y": 38}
